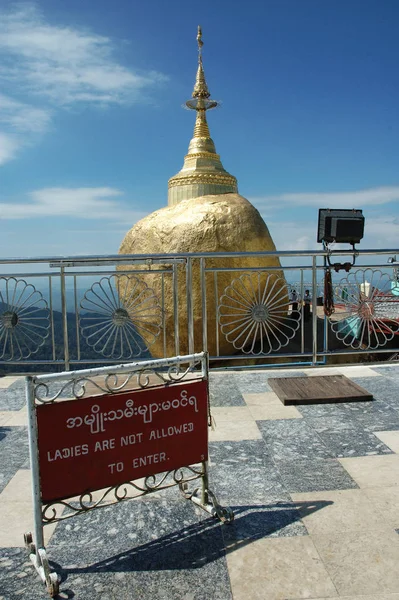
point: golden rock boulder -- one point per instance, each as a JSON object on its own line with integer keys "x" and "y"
{"x": 240, "y": 304}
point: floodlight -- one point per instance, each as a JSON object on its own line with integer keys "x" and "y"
{"x": 341, "y": 226}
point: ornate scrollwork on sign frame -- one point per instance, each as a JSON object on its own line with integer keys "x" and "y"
{"x": 253, "y": 313}
{"x": 113, "y": 383}
{"x": 366, "y": 316}
{"x": 24, "y": 319}
{"x": 64, "y": 509}
{"x": 120, "y": 316}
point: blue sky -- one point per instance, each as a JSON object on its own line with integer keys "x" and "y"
{"x": 91, "y": 124}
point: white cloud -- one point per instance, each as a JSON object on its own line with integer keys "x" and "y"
{"x": 65, "y": 64}
{"x": 57, "y": 66}
{"x": 80, "y": 203}
{"x": 9, "y": 146}
{"x": 22, "y": 117}
{"x": 356, "y": 199}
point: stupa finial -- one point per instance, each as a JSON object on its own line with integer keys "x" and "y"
{"x": 202, "y": 172}
{"x": 200, "y": 91}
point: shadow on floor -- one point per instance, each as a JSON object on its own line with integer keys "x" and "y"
{"x": 200, "y": 543}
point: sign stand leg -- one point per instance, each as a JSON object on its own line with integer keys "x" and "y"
{"x": 207, "y": 500}
{"x": 39, "y": 560}
{"x": 37, "y": 553}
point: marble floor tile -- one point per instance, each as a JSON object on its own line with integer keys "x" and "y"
{"x": 386, "y": 501}
{"x": 278, "y": 569}
{"x": 224, "y": 392}
{"x": 361, "y": 562}
{"x": 18, "y": 418}
{"x": 156, "y": 549}
{"x": 357, "y": 371}
{"x": 14, "y": 451}
{"x": 343, "y": 510}
{"x": 261, "y": 399}
{"x": 320, "y": 371}
{"x": 388, "y": 370}
{"x": 333, "y": 409}
{"x": 19, "y": 488}
{"x": 16, "y": 518}
{"x": 261, "y": 521}
{"x": 241, "y": 473}
{"x": 5, "y": 416}
{"x": 375, "y": 416}
{"x": 390, "y": 439}
{"x": 234, "y": 431}
{"x": 292, "y": 439}
{"x": 255, "y": 382}
{"x": 347, "y": 438}
{"x": 312, "y": 475}
{"x": 12, "y": 399}
{"x": 385, "y": 389}
{"x": 274, "y": 411}
{"x": 373, "y": 471}
{"x": 231, "y": 413}
{"x": 6, "y": 381}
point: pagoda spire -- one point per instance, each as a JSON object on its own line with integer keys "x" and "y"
{"x": 202, "y": 173}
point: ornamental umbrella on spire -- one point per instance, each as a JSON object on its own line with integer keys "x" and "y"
{"x": 202, "y": 173}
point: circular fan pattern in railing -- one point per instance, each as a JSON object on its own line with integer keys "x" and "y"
{"x": 366, "y": 315}
{"x": 255, "y": 314}
{"x": 120, "y": 316}
{"x": 24, "y": 319}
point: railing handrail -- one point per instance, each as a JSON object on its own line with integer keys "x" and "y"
{"x": 102, "y": 258}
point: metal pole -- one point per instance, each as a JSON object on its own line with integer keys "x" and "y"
{"x": 34, "y": 463}
{"x": 314, "y": 309}
{"x": 215, "y": 283}
{"x": 190, "y": 315}
{"x": 64, "y": 319}
{"x": 176, "y": 308}
{"x": 203, "y": 299}
{"x": 302, "y": 311}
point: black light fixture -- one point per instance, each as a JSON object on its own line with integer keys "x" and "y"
{"x": 341, "y": 226}
{"x": 344, "y": 226}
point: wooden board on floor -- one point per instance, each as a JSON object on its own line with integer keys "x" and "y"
{"x": 318, "y": 390}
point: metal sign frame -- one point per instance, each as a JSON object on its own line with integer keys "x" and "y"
{"x": 49, "y": 389}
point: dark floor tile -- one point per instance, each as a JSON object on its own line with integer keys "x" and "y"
{"x": 12, "y": 399}
{"x": 145, "y": 549}
{"x": 243, "y": 473}
{"x": 314, "y": 475}
{"x": 346, "y": 438}
{"x": 388, "y": 371}
{"x": 14, "y": 451}
{"x": 224, "y": 392}
{"x": 290, "y": 439}
{"x": 18, "y": 580}
{"x": 254, "y": 382}
{"x": 384, "y": 389}
{"x": 377, "y": 416}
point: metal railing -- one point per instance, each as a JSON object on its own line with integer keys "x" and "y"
{"x": 59, "y": 313}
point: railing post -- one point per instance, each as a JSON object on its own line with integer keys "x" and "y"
{"x": 190, "y": 314}
{"x": 64, "y": 319}
{"x": 314, "y": 310}
{"x": 176, "y": 307}
{"x": 204, "y": 307}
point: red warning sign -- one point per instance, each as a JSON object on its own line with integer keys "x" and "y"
{"x": 102, "y": 441}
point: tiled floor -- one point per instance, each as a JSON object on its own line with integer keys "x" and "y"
{"x": 315, "y": 491}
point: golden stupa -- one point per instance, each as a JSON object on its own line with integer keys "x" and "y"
{"x": 205, "y": 213}
{"x": 202, "y": 173}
